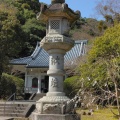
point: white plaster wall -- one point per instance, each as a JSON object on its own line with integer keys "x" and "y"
{"x": 30, "y": 74}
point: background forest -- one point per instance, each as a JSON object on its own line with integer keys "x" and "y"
{"x": 20, "y": 30}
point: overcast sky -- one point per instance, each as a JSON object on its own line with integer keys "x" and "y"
{"x": 86, "y": 7}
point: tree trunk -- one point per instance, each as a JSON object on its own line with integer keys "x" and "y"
{"x": 1, "y": 70}
{"x": 117, "y": 97}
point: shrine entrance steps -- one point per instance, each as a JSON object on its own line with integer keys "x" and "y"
{"x": 19, "y": 108}
{"x": 15, "y": 109}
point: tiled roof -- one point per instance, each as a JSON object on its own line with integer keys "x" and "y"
{"x": 21, "y": 61}
{"x": 40, "y": 58}
{"x": 72, "y": 57}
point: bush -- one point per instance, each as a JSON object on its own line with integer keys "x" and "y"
{"x": 71, "y": 86}
{"x": 25, "y": 6}
{"x": 9, "y": 85}
{"x": 91, "y": 32}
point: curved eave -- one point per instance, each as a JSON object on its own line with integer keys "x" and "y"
{"x": 17, "y": 63}
{"x": 66, "y": 13}
{"x": 26, "y": 60}
{"x": 20, "y": 61}
{"x": 81, "y": 41}
{"x": 37, "y": 66}
{"x": 61, "y": 7}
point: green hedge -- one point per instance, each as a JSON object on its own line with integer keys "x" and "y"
{"x": 10, "y": 84}
{"x": 71, "y": 86}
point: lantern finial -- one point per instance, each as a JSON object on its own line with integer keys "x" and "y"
{"x": 57, "y": 1}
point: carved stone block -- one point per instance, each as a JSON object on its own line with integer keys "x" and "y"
{"x": 51, "y": 109}
{"x": 36, "y": 116}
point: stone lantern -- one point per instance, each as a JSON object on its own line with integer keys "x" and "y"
{"x": 58, "y": 17}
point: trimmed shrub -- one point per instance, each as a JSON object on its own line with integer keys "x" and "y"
{"x": 10, "y": 84}
{"x": 71, "y": 86}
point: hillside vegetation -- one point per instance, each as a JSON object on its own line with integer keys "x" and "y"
{"x": 85, "y": 29}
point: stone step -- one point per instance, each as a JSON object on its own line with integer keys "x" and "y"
{"x": 38, "y": 96}
{"x": 9, "y": 110}
{"x": 22, "y": 119}
{"x": 14, "y": 105}
{"x": 11, "y": 114}
{"x": 24, "y": 105}
{"x": 21, "y": 109}
{"x": 6, "y": 118}
{"x": 12, "y": 108}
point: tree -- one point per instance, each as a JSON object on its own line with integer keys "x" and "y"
{"x": 10, "y": 35}
{"x": 26, "y": 11}
{"x": 102, "y": 26}
{"x": 109, "y": 9}
{"x": 34, "y": 31}
{"x": 103, "y": 64}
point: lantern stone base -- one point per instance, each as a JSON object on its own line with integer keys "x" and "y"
{"x": 55, "y": 108}
{"x": 37, "y": 116}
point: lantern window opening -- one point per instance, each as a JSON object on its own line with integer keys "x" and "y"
{"x": 54, "y": 26}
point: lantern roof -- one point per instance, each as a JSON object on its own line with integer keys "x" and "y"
{"x": 57, "y": 8}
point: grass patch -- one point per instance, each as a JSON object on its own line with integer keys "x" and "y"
{"x": 101, "y": 114}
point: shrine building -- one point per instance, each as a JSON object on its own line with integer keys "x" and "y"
{"x": 35, "y": 66}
